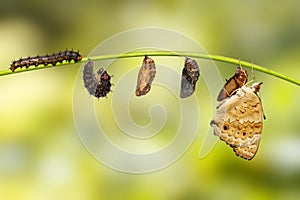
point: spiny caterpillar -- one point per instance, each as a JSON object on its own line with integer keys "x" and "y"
{"x": 46, "y": 60}
{"x": 99, "y": 84}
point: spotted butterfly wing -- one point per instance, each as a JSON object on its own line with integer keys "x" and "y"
{"x": 238, "y": 121}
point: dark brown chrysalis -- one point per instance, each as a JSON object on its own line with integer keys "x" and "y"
{"x": 46, "y": 60}
{"x": 236, "y": 81}
{"x": 190, "y": 76}
{"x": 99, "y": 84}
{"x": 145, "y": 77}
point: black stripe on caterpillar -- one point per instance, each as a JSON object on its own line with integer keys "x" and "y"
{"x": 46, "y": 60}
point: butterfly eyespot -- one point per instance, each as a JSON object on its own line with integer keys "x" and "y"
{"x": 225, "y": 127}
{"x": 46, "y": 59}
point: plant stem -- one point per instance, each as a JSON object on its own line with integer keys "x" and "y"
{"x": 169, "y": 53}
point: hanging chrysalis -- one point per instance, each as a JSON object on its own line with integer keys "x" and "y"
{"x": 190, "y": 76}
{"x": 236, "y": 81}
{"x": 99, "y": 84}
{"x": 145, "y": 77}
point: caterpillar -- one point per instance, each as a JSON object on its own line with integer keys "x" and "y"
{"x": 236, "y": 81}
{"x": 99, "y": 84}
{"x": 189, "y": 78}
{"x": 145, "y": 77}
{"x": 46, "y": 60}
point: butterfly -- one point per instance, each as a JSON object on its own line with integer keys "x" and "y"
{"x": 145, "y": 77}
{"x": 189, "y": 78}
{"x": 238, "y": 121}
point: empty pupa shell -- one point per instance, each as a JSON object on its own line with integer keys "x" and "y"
{"x": 236, "y": 81}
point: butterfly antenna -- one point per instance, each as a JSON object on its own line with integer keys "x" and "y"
{"x": 252, "y": 70}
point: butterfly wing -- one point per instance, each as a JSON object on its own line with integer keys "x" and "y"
{"x": 247, "y": 152}
{"x": 238, "y": 122}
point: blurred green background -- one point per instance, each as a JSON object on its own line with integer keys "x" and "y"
{"x": 41, "y": 156}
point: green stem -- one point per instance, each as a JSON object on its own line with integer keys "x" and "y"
{"x": 169, "y": 53}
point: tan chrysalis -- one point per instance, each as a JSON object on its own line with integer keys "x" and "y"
{"x": 145, "y": 77}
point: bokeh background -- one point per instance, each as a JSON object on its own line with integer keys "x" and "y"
{"x": 41, "y": 156}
